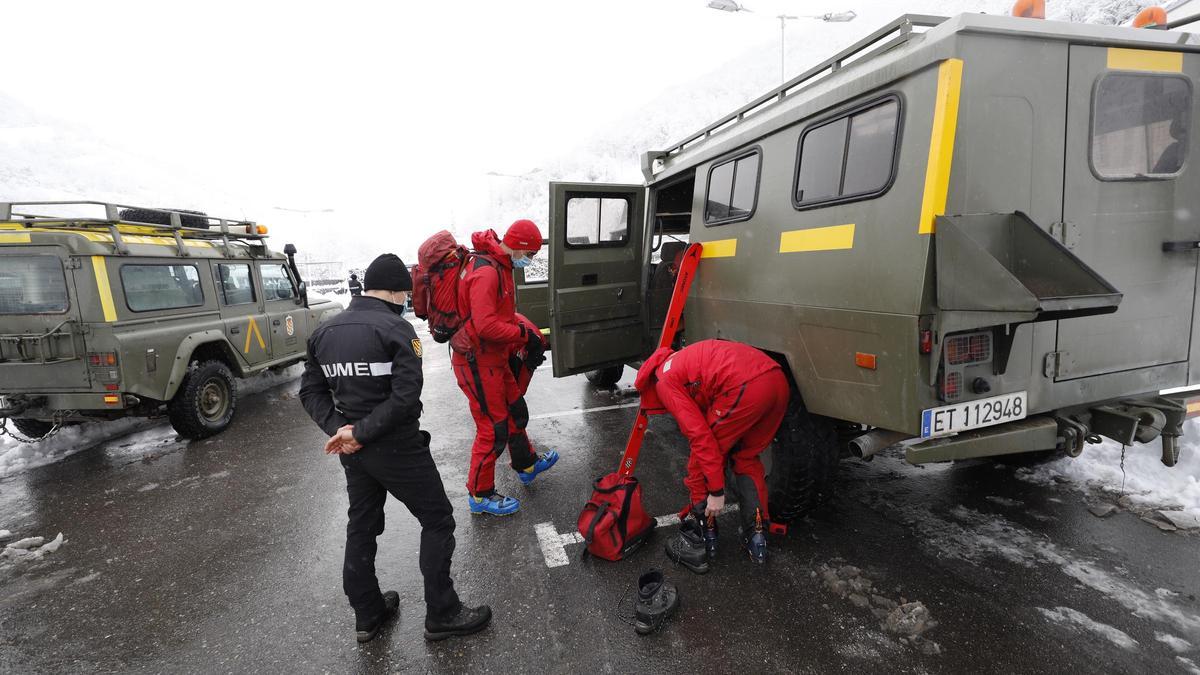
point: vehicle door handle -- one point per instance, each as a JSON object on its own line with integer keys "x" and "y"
{"x": 235, "y": 330}
{"x": 1173, "y": 246}
{"x": 620, "y": 293}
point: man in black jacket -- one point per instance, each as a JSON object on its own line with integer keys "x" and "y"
{"x": 355, "y": 286}
{"x": 362, "y": 386}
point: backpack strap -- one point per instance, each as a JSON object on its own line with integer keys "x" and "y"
{"x": 591, "y": 533}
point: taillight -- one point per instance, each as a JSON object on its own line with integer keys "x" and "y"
{"x": 102, "y": 359}
{"x": 926, "y": 342}
{"x": 964, "y": 350}
{"x": 951, "y": 386}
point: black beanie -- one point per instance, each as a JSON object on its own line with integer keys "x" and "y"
{"x": 387, "y": 273}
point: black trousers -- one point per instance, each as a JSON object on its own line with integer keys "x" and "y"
{"x": 413, "y": 478}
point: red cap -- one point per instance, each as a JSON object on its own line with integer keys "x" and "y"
{"x": 523, "y": 235}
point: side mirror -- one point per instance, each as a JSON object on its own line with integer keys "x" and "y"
{"x": 303, "y": 299}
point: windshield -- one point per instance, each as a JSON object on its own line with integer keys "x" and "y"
{"x": 32, "y": 285}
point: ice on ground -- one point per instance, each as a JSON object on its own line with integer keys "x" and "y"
{"x": 53, "y": 545}
{"x": 1147, "y": 482}
{"x": 27, "y": 543}
{"x": 5, "y": 535}
{"x": 1188, "y": 665}
{"x": 1178, "y": 644}
{"x": 1075, "y": 619}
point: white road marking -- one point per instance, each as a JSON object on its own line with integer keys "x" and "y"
{"x": 582, "y": 411}
{"x": 554, "y": 545}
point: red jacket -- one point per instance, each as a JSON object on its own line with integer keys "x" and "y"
{"x": 692, "y": 379}
{"x": 489, "y": 294}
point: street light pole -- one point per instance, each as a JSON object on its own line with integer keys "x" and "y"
{"x": 830, "y": 17}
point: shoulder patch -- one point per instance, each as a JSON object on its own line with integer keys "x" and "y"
{"x": 416, "y": 345}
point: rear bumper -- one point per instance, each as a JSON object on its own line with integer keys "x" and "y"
{"x": 45, "y": 405}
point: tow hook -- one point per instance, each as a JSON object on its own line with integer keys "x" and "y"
{"x": 16, "y": 406}
{"x": 1073, "y": 434}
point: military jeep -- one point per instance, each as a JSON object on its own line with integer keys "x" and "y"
{"x": 109, "y": 311}
{"x": 975, "y": 236}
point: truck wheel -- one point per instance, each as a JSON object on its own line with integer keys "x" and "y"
{"x": 804, "y": 460}
{"x": 32, "y": 428}
{"x": 605, "y": 377}
{"x": 205, "y": 402}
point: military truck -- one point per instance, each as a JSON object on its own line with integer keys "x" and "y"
{"x": 112, "y": 311}
{"x": 975, "y": 236}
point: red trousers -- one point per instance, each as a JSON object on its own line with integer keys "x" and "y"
{"x": 748, "y": 419}
{"x": 500, "y": 416}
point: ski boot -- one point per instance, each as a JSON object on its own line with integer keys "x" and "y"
{"x": 688, "y": 548}
{"x": 657, "y": 600}
{"x": 544, "y": 461}
{"x": 495, "y": 504}
{"x": 366, "y": 629}
{"x": 755, "y": 540}
{"x": 710, "y": 537}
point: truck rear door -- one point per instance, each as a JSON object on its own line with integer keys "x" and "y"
{"x": 41, "y": 340}
{"x": 1129, "y": 187}
{"x": 596, "y": 297}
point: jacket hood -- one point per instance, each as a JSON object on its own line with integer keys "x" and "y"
{"x": 644, "y": 382}
{"x": 487, "y": 242}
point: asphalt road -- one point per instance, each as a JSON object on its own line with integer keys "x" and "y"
{"x": 224, "y": 555}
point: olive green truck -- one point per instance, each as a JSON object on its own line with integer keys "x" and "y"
{"x": 109, "y": 311}
{"x": 974, "y": 236}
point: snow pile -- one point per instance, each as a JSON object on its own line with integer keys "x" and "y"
{"x": 1080, "y": 621}
{"x": 1146, "y": 481}
{"x": 31, "y": 548}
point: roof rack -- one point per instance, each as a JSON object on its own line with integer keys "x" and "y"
{"x": 900, "y": 31}
{"x": 216, "y": 229}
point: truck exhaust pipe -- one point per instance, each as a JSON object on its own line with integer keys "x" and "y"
{"x": 865, "y": 447}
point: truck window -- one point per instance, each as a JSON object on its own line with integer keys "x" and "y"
{"x": 597, "y": 221}
{"x": 277, "y": 284}
{"x": 235, "y": 284}
{"x": 32, "y": 284}
{"x": 849, "y": 157}
{"x": 155, "y": 287}
{"x": 1140, "y": 125}
{"x": 732, "y": 190}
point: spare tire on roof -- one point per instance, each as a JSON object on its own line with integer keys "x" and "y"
{"x": 154, "y": 217}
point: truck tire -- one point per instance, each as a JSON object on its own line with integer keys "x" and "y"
{"x": 804, "y": 461}
{"x": 205, "y": 402}
{"x": 33, "y": 429}
{"x": 606, "y": 377}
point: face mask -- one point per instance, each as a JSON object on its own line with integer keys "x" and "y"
{"x": 398, "y": 309}
{"x": 522, "y": 262}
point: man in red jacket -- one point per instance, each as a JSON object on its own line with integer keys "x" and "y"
{"x": 487, "y": 295}
{"x": 728, "y": 398}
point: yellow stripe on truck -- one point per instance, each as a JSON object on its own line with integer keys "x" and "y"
{"x": 1145, "y": 60}
{"x": 721, "y": 248}
{"x": 18, "y": 238}
{"x": 941, "y": 144}
{"x": 835, "y": 238}
{"x": 106, "y": 297}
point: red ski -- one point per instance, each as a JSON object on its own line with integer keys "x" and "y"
{"x": 683, "y": 283}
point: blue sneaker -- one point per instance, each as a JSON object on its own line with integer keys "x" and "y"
{"x": 544, "y": 461}
{"x": 497, "y": 505}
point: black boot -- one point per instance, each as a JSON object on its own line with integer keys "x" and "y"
{"x": 366, "y": 629}
{"x": 468, "y": 620}
{"x": 657, "y": 600}
{"x": 688, "y": 548}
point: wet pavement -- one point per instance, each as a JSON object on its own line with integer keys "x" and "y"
{"x": 224, "y": 555}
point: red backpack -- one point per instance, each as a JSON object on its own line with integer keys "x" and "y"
{"x": 613, "y": 522}
{"x": 440, "y": 261}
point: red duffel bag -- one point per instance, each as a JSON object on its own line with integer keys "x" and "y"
{"x": 613, "y": 522}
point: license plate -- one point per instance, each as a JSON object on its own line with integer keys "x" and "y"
{"x": 984, "y": 412}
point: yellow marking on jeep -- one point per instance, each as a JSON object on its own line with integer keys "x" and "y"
{"x": 103, "y": 238}
{"x": 15, "y": 238}
{"x": 106, "y": 297}
{"x": 941, "y": 144}
{"x": 1145, "y": 60}
{"x": 721, "y": 248}
{"x": 252, "y": 329}
{"x": 834, "y": 238}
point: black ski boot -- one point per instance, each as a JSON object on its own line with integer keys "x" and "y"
{"x": 755, "y": 540}
{"x": 657, "y": 600}
{"x": 366, "y": 629}
{"x": 468, "y": 620}
{"x": 688, "y": 548}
